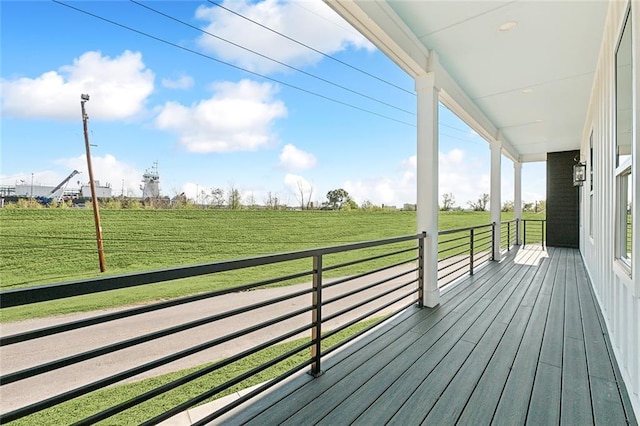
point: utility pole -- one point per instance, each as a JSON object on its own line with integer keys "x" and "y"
{"x": 94, "y": 196}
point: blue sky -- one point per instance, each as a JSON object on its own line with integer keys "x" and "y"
{"x": 212, "y": 125}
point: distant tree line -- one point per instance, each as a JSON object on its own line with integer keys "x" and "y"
{"x": 482, "y": 203}
{"x": 232, "y": 199}
{"x": 214, "y": 198}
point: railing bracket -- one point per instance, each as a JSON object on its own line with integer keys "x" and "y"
{"x": 314, "y": 374}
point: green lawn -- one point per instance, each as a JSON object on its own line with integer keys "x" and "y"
{"x": 42, "y": 246}
{"x": 48, "y": 245}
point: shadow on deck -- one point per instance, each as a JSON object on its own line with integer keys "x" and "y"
{"x": 522, "y": 341}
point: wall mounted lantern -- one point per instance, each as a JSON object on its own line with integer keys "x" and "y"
{"x": 579, "y": 174}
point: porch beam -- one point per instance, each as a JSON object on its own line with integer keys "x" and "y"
{"x": 517, "y": 197}
{"x": 427, "y": 181}
{"x": 380, "y": 24}
{"x": 495, "y": 201}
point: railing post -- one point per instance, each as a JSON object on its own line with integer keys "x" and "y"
{"x": 542, "y": 235}
{"x": 316, "y": 317}
{"x": 493, "y": 241}
{"x": 508, "y": 236}
{"x": 524, "y": 232}
{"x": 471, "y": 233}
{"x": 421, "y": 270}
{"x": 517, "y": 232}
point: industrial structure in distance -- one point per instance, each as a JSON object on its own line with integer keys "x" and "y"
{"x": 46, "y": 194}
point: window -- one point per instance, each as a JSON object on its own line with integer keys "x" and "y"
{"x": 623, "y": 220}
{"x": 623, "y": 153}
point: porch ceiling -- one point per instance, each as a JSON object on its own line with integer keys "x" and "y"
{"x": 531, "y": 84}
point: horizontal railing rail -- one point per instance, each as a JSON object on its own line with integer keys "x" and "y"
{"x": 533, "y": 231}
{"x": 462, "y": 250}
{"x": 508, "y": 234}
{"x": 392, "y": 284}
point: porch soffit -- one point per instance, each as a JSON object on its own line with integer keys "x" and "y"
{"x": 532, "y": 83}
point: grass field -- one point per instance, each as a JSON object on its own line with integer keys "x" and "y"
{"x": 47, "y": 245}
{"x": 42, "y": 246}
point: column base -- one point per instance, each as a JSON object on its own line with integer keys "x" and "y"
{"x": 431, "y": 298}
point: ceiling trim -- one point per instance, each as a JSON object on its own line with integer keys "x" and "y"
{"x": 532, "y": 158}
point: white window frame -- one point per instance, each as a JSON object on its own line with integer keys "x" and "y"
{"x": 624, "y": 185}
{"x": 624, "y": 173}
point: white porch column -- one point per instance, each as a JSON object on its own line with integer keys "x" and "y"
{"x": 427, "y": 182}
{"x": 495, "y": 202}
{"x": 517, "y": 197}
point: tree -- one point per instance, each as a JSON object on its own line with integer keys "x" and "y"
{"x": 527, "y": 207}
{"x": 481, "y": 204}
{"x": 352, "y": 204}
{"x": 309, "y": 203}
{"x": 507, "y": 206}
{"x": 272, "y": 202}
{"x": 250, "y": 201}
{"x": 305, "y": 191}
{"x": 337, "y": 198}
{"x": 217, "y": 197}
{"x": 368, "y": 205}
{"x": 448, "y": 201}
{"x": 204, "y": 197}
{"x": 234, "y": 200}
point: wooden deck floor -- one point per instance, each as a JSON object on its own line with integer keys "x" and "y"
{"x": 521, "y": 342}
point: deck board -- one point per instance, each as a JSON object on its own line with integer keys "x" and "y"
{"x": 452, "y": 401}
{"x": 576, "y": 398}
{"x": 544, "y": 407}
{"x": 514, "y": 401}
{"x": 423, "y": 357}
{"x": 520, "y": 342}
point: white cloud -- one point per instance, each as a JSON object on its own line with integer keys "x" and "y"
{"x": 44, "y": 178}
{"x": 380, "y": 191}
{"x": 118, "y": 88}
{"x": 238, "y": 117}
{"x": 391, "y": 190}
{"x": 312, "y": 23}
{"x": 183, "y": 82}
{"x": 295, "y": 183}
{"x": 121, "y": 176}
{"x": 301, "y": 188}
{"x": 466, "y": 178}
{"x": 192, "y": 191}
{"x": 292, "y": 158}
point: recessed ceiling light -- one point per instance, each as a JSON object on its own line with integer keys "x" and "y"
{"x": 527, "y": 90}
{"x": 507, "y": 26}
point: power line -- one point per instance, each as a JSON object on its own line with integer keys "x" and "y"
{"x": 456, "y": 128}
{"x": 311, "y": 48}
{"x": 233, "y": 66}
{"x": 324, "y": 80}
{"x": 457, "y": 138}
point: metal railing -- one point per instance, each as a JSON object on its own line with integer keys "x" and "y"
{"x": 386, "y": 289}
{"x": 462, "y": 250}
{"x": 508, "y": 234}
{"x": 533, "y": 231}
{"x": 373, "y": 291}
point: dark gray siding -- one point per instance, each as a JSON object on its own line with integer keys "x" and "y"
{"x": 562, "y": 200}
